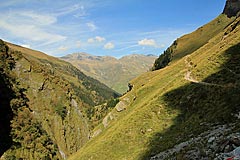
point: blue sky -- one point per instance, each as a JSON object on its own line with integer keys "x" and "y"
{"x": 102, "y": 27}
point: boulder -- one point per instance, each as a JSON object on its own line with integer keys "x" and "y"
{"x": 121, "y": 106}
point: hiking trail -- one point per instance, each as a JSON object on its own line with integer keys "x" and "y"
{"x": 189, "y": 78}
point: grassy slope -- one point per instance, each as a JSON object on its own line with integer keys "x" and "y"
{"x": 193, "y": 41}
{"x": 68, "y": 72}
{"x": 115, "y": 73}
{"x": 59, "y": 96}
{"x": 166, "y": 109}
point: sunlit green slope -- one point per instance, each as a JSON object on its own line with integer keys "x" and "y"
{"x": 44, "y": 103}
{"x": 168, "y": 106}
{"x": 191, "y": 42}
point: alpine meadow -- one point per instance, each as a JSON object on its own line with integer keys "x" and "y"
{"x": 183, "y": 104}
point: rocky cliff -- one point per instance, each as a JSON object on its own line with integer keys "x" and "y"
{"x": 232, "y": 8}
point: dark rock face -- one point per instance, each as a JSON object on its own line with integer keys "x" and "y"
{"x": 232, "y": 8}
{"x": 6, "y": 95}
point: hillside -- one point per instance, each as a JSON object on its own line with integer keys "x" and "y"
{"x": 44, "y": 104}
{"x": 188, "y": 110}
{"x": 115, "y": 73}
{"x": 189, "y": 43}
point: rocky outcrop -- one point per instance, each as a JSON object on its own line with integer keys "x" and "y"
{"x": 108, "y": 118}
{"x": 232, "y": 8}
{"x": 218, "y": 143}
{"x": 121, "y": 106}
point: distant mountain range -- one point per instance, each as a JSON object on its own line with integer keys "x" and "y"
{"x": 115, "y": 73}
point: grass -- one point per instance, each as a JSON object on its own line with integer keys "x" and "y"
{"x": 165, "y": 109}
{"x": 193, "y": 41}
{"x": 134, "y": 126}
{"x": 189, "y": 43}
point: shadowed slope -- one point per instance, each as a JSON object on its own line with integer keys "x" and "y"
{"x": 201, "y": 104}
{"x": 6, "y": 95}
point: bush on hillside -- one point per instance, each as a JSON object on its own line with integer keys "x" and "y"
{"x": 112, "y": 103}
{"x": 162, "y": 60}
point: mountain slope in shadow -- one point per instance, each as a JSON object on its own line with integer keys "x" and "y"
{"x": 202, "y": 108}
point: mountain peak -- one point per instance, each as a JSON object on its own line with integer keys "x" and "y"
{"x": 232, "y": 8}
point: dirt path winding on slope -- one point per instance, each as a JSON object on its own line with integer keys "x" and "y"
{"x": 189, "y": 78}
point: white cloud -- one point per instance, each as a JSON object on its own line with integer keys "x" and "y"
{"x": 91, "y": 26}
{"x": 99, "y": 39}
{"x": 63, "y": 48}
{"x": 49, "y": 25}
{"x": 36, "y": 18}
{"x": 147, "y": 42}
{"x": 81, "y": 12}
{"x": 30, "y": 26}
{"x": 72, "y": 8}
{"x": 96, "y": 39}
{"x": 32, "y": 33}
{"x": 128, "y": 47}
{"x": 109, "y": 45}
{"x": 91, "y": 40}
